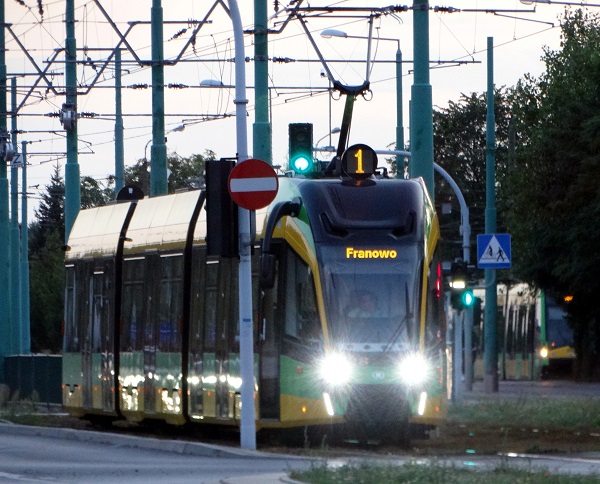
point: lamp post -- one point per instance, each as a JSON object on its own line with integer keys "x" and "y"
{"x": 333, "y": 131}
{"x": 329, "y": 33}
{"x": 146, "y": 181}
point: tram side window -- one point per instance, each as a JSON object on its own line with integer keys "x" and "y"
{"x": 171, "y": 302}
{"x": 198, "y": 291}
{"x": 98, "y": 308}
{"x": 301, "y": 313}
{"x": 212, "y": 273}
{"x": 435, "y": 330}
{"x": 132, "y": 304}
{"x": 71, "y": 341}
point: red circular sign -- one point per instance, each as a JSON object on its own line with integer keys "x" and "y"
{"x": 253, "y": 184}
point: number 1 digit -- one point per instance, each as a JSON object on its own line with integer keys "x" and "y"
{"x": 359, "y": 161}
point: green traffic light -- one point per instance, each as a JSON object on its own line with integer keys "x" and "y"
{"x": 300, "y": 147}
{"x": 301, "y": 164}
{"x": 467, "y": 298}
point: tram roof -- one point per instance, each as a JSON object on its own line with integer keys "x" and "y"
{"x": 96, "y": 232}
{"x": 161, "y": 223}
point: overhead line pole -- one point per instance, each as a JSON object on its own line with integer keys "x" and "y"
{"x": 15, "y": 239}
{"x": 158, "y": 150}
{"x": 25, "y": 293}
{"x": 490, "y": 348}
{"x": 262, "y": 130}
{"x": 119, "y": 134}
{"x": 421, "y": 112}
{"x": 5, "y": 303}
{"x": 72, "y": 181}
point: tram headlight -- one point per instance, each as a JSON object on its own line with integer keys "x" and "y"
{"x": 414, "y": 369}
{"x": 335, "y": 369}
{"x": 543, "y": 352}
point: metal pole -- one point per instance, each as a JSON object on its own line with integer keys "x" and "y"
{"x": 5, "y": 312}
{"x": 457, "y": 318}
{"x": 25, "y": 314}
{"x": 468, "y": 330}
{"x": 421, "y": 111}
{"x": 15, "y": 256}
{"x": 119, "y": 150}
{"x": 262, "y": 135}
{"x": 248, "y": 424}
{"x": 72, "y": 181}
{"x": 490, "y": 350}
{"x": 158, "y": 150}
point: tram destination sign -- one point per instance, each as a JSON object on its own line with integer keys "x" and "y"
{"x": 253, "y": 184}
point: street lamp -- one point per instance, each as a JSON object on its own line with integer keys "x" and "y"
{"x": 333, "y": 131}
{"x": 329, "y": 33}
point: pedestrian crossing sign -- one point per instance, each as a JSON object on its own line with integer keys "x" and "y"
{"x": 493, "y": 251}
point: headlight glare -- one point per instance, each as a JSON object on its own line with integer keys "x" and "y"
{"x": 414, "y": 369}
{"x": 335, "y": 369}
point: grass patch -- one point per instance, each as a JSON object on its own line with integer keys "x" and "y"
{"x": 577, "y": 413}
{"x": 430, "y": 473}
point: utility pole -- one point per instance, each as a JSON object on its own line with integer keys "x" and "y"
{"x": 69, "y": 121}
{"x": 158, "y": 150}
{"x": 261, "y": 133}
{"x": 421, "y": 110}
{"x": 490, "y": 353}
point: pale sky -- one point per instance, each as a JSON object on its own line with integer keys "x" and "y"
{"x": 518, "y": 36}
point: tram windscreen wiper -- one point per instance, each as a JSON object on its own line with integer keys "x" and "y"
{"x": 404, "y": 322}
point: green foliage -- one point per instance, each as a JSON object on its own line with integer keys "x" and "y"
{"x": 428, "y": 471}
{"x": 554, "y": 197}
{"x": 460, "y": 148}
{"x": 46, "y": 293}
{"x": 184, "y": 172}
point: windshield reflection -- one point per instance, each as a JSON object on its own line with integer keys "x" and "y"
{"x": 371, "y": 302}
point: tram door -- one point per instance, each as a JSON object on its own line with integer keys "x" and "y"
{"x": 149, "y": 336}
{"x": 220, "y": 320}
{"x": 97, "y": 350}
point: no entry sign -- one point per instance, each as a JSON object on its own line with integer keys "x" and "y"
{"x": 253, "y": 184}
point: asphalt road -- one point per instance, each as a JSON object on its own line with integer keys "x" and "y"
{"x": 36, "y": 454}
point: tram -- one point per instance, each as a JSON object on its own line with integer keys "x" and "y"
{"x": 151, "y": 318}
{"x": 535, "y": 337}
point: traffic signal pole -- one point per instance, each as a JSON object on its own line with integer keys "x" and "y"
{"x": 247, "y": 423}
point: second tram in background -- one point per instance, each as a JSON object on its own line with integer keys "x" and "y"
{"x": 535, "y": 338}
{"x": 348, "y": 325}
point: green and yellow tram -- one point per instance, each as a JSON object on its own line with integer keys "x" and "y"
{"x": 348, "y": 315}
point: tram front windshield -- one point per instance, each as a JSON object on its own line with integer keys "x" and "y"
{"x": 371, "y": 302}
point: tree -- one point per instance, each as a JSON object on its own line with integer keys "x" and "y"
{"x": 555, "y": 202}
{"x": 46, "y": 244}
{"x": 184, "y": 172}
{"x": 460, "y": 148}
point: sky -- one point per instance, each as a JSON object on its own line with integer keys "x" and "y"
{"x": 299, "y": 90}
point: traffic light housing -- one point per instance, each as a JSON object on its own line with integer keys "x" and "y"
{"x": 301, "y": 147}
{"x": 462, "y": 296}
{"x": 221, "y": 211}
